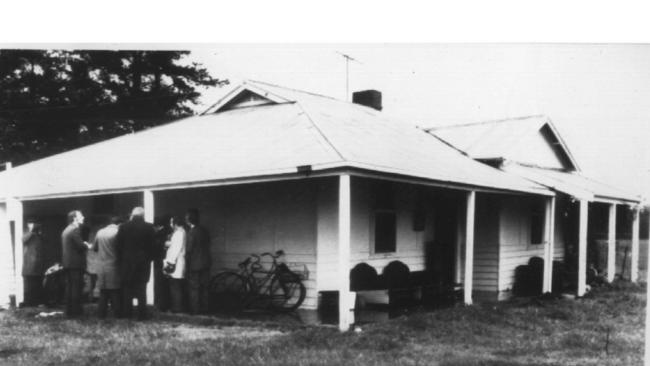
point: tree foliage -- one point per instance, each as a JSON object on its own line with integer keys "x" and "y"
{"x": 56, "y": 100}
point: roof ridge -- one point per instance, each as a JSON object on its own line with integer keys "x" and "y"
{"x": 443, "y": 141}
{"x": 320, "y": 132}
{"x": 293, "y": 89}
{"x": 502, "y": 120}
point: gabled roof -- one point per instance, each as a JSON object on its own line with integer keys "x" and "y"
{"x": 499, "y": 139}
{"x": 297, "y": 129}
{"x": 243, "y": 89}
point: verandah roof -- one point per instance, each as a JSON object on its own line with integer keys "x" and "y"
{"x": 573, "y": 184}
{"x": 257, "y": 141}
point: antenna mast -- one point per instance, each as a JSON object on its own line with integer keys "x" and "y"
{"x": 347, "y": 58}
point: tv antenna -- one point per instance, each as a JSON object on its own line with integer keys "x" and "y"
{"x": 348, "y": 58}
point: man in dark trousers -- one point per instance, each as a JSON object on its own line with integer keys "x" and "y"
{"x": 161, "y": 282}
{"x": 135, "y": 242}
{"x": 74, "y": 263}
{"x": 197, "y": 257}
{"x": 33, "y": 264}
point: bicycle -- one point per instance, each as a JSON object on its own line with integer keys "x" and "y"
{"x": 253, "y": 286}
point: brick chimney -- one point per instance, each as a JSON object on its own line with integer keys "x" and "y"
{"x": 369, "y": 98}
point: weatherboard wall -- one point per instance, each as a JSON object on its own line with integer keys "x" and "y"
{"x": 516, "y": 247}
{"x": 255, "y": 218}
{"x": 410, "y": 244}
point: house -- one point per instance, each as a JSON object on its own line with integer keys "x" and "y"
{"x": 331, "y": 183}
{"x": 531, "y": 148}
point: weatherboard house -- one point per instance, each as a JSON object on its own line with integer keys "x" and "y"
{"x": 334, "y": 185}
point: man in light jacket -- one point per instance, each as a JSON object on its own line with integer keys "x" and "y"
{"x": 174, "y": 264}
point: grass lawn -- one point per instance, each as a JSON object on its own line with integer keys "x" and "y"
{"x": 604, "y": 328}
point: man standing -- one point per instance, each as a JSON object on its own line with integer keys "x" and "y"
{"x": 74, "y": 263}
{"x": 33, "y": 264}
{"x": 198, "y": 263}
{"x": 135, "y": 240}
{"x": 161, "y": 281}
{"x": 108, "y": 276}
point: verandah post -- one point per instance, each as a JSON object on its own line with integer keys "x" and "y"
{"x": 611, "y": 244}
{"x": 647, "y": 305}
{"x": 634, "y": 272}
{"x": 345, "y": 216}
{"x": 15, "y": 208}
{"x": 582, "y": 248}
{"x": 469, "y": 247}
{"x": 149, "y": 215}
{"x": 549, "y": 244}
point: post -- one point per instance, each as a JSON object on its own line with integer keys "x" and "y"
{"x": 16, "y": 211}
{"x": 469, "y": 247}
{"x": 634, "y": 265}
{"x": 611, "y": 244}
{"x": 148, "y": 217}
{"x": 582, "y": 248}
{"x": 549, "y": 244}
{"x": 458, "y": 248}
{"x": 345, "y": 216}
{"x": 647, "y": 306}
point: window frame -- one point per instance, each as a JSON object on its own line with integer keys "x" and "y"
{"x": 393, "y": 248}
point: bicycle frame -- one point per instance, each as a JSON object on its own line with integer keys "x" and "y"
{"x": 259, "y": 278}
{"x": 260, "y": 285}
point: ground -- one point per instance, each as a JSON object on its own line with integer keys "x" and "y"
{"x": 606, "y": 327}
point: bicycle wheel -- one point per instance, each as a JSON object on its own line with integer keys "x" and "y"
{"x": 228, "y": 292}
{"x": 287, "y": 292}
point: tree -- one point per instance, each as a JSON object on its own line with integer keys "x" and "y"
{"x": 56, "y": 100}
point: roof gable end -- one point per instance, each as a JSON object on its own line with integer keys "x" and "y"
{"x": 531, "y": 140}
{"x": 245, "y": 96}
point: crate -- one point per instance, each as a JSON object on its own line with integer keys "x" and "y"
{"x": 300, "y": 269}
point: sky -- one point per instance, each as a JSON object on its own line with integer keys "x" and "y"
{"x": 597, "y": 95}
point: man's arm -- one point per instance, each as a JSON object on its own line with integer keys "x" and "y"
{"x": 95, "y": 246}
{"x": 77, "y": 241}
{"x": 27, "y": 236}
{"x": 191, "y": 237}
{"x": 151, "y": 250}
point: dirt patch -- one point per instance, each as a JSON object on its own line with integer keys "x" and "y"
{"x": 199, "y": 333}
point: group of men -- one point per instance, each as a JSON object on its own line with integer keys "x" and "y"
{"x": 124, "y": 253}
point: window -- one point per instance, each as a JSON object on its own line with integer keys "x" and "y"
{"x": 385, "y": 231}
{"x": 537, "y": 224}
{"x": 385, "y": 217}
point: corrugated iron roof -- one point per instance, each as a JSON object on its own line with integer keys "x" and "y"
{"x": 274, "y": 139}
{"x": 497, "y": 139}
{"x": 572, "y": 183}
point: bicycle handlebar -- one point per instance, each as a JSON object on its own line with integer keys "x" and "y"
{"x": 254, "y": 259}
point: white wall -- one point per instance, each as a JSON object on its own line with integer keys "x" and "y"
{"x": 486, "y": 243}
{"x": 410, "y": 247}
{"x": 515, "y": 245}
{"x": 254, "y": 218}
